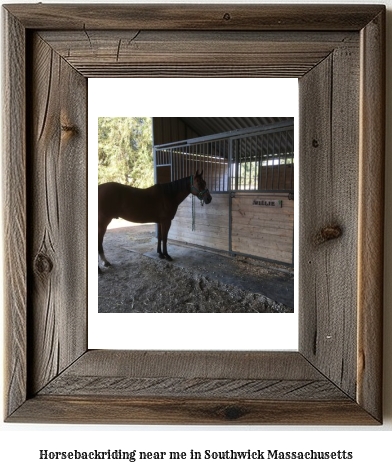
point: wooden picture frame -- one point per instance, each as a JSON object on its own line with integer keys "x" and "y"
{"x": 338, "y": 54}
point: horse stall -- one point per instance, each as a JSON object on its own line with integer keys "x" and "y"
{"x": 248, "y": 165}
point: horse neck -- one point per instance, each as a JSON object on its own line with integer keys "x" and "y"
{"x": 184, "y": 193}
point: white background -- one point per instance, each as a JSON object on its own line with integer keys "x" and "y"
{"x": 20, "y": 444}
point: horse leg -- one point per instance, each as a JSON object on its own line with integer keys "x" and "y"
{"x": 165, "y": 231}
{"x": 159, "y": 241}
{"x": 102, "y": 226}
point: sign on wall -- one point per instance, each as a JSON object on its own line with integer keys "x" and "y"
{"x": 268, "y": 203}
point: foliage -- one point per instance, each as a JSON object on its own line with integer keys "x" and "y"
{"x": 125, "y": 151}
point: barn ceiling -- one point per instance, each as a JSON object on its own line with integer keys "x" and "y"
{"x": 211, "y": 125}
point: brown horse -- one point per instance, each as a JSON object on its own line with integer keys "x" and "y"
{"x": 158, "y": 204}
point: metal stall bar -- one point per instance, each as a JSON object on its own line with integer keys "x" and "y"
{"x": 273, "y": 136}
{"x": 173, "y": 171}
{"x": 221, "y": 172}
{"x": 182, "y": 156}
{"x": 280, "y": 157}
{"x": 209, "y": 167}
{"x": 256, "y": 163}
{"x": 174, "y": 156}
{"x": 154, "y": 158}
{"x": 292, "y": 164}
{"x": 206, "y": 173}
{"x": 229, "y": 188}
{"x": 266, "y": 168}
{"x": 246, "y": 184}
{"x": 260, "y": 177}
{"x": 186, "y": 166}
{"x": 285, "y": 160}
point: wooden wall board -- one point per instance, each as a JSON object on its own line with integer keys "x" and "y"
{"x": 171, "y": 129}
{"x": 260, "y": 231}
{"x": 212, "y": 223}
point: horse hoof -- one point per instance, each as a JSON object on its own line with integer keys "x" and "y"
{"x": 107, "y": 264}
{"x": 160, "y": 255}
{"x": 168, "y": 257}
{"x": 99, "y": 270}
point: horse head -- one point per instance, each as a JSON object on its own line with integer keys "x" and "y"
{"x": 199, "y": 188}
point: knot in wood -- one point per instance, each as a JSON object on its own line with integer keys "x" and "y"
{"x": 69, "y": 128}
{"x": 233, "y": 412}
{"x": 315, "y": 143}
{"x": 328, "y": 233}
{"x": 43, "y": 264}
{"x": 227, "y": 16}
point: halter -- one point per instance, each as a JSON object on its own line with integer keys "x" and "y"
{"x": 199, "y": 194}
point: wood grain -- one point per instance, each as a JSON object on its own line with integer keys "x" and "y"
{"x": 170, "y": 129}
{"x": 192, "y": 17}
{"x": 211, "y": 223}
{"x": 192, "y": 387}
{"x": 208, "y": 364}
{"x": 103, "y": 409}
{"x": 126, "y": 53}
{"x": 371, "y": 216}
{"x": 261, "y": 231}
{"x": 329, "y": 196}
{"x": 57, "y": 215}
{"x": 187, "y": 374}
{"x": 14, "y": 213}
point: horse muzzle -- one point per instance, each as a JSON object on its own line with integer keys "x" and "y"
{"x": 207, "y": 198}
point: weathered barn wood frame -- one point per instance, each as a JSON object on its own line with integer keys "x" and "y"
{"x": 335, "y": 377}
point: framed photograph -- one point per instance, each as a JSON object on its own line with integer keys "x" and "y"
{"x": 337, "y": 52}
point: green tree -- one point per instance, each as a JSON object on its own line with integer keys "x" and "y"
{"x": 125, "y": 151}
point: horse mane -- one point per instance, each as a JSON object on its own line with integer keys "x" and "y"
{"x": 175, "y": 187}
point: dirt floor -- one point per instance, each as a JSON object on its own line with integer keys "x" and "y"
{"x": 195, "y": 282}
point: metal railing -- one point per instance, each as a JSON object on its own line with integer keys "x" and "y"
{"x": 257, "y": 159}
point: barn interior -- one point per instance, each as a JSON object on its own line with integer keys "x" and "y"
{"x": 248, "y": 165}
